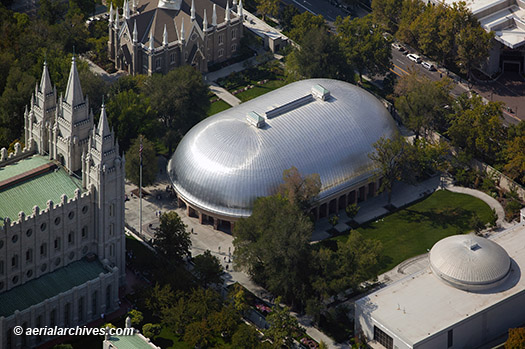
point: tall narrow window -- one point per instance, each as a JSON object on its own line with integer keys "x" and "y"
{"x": 43, "y": 250}
{"x": 450, "y": 341}
{"x": 29, "y": 255}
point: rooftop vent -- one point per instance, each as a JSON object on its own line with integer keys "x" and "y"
{"x": 255, "y": 119}
{"x": 474, "y": 246}
{"x": 296, "y": 103}
{"x": 320, "y": 92}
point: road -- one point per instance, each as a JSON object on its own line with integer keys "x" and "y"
{"x": 328, "y": 8}
{"x": 403, "y": 66}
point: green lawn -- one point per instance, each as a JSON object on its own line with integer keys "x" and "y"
{"x": 217, "y": 107}
{"x": 413, "y": 230}
{"x": 259, "y": 90}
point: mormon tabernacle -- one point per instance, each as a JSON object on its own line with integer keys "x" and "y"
{"x": 318, "y": 125}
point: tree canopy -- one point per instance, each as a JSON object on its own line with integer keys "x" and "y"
{"x": 364, "y": 46}
{"x": 299, "y": 190}
{"x": 149, "y": 162}
{"x": 171, "y": 239}
{"x": 208, "y": 269}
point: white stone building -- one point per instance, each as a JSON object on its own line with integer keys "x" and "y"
{"x": 62, "y": 243}
{"x": 472, "y": 292}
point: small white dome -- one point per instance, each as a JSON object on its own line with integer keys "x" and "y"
{"x": 470, "y": 262}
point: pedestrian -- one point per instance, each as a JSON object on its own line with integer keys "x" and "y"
{"x": 219, "y": 248}
{"x": 226, "y": 266}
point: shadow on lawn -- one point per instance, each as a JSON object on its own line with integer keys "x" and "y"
{"x": 442, "y": 218}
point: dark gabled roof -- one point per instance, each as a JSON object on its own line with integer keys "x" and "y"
{"x": 153, "y": 18}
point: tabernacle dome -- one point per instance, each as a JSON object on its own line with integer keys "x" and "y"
{"x": 319, "y": 126}
{"x": 470, "y": 262}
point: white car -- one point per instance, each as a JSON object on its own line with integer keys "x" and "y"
{"x": 428, "y": 65}
{"x": 414, "y": 57}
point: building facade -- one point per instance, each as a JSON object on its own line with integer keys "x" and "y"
{"x": 158, "y": 35}
{"x": 62, "y": 243}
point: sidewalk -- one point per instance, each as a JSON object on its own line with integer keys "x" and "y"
{"x": 95, "y": 69}
{"x": 223, "y": 94}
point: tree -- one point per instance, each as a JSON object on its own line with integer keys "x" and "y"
{"x": 474, "y": 44}
{"x": 198, "y": 334}
{"x": 286, "y": 16}
{"x": 151, "y": 330}
{"x": 238, "y": 297}
{"x": 388, "y": 157}
{"x": 282, "y": 325}
{"x": 364, "y": 46}
{"x": 304, "y": 23}
{"x": 149, "y": 162}
{"x": 420, "y": 103}
{"x": 352, "y": 210}
{"x": 268, "y": 8}
{"x": 300, "y": 191}
{"x": 245, "y": 337}
{"x": 136, "y": 317}
{"x": 318, "y": 57}
{"x": 477, "y": 128}
{"x": 208, "y": 269}
{"x": 273, "y": 246}
{"x": 160, "y": 298}
{"x": 180, "y": 99}
{"x": 516, "y": 338}
{"x": 387, "y": 13}
{"x": 477, "y": 224}
{"x": 130, "y": 114}
{"x": 224, "y": 322}
{"x": 171, "y": 239}
{"x": 515, "y": 158}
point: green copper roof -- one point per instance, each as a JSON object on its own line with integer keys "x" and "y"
{"x": 129, "y": 342}
{"x": 22, "y": 166}
{"x": 35, "y": 191}
{"x": 49, "y": 285}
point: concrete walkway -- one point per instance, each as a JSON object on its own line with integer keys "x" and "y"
{"x": 493, "y": 203}
{"x": 223, "y": 94}
{"x": 95, "y": 69}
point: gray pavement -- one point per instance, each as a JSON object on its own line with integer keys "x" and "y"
{"x": 95, "y": 69}
{"x": 223, "y": 94}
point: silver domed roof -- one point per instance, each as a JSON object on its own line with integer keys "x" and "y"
{"x": 228, "y": 160}
{"x": 470, "y": 262}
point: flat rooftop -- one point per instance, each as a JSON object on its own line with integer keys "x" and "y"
{"x": 49, "y": 285}
{"x": 504, "y": 17}
{"x": 130, "y": 342}
{"x": 422, "y": 305}
{"x": 37, "y": 190}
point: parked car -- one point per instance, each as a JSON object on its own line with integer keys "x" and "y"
{"x": 413, "y": 57}
{"x": 399, "y": 47}
{"x": 429, "y": 66}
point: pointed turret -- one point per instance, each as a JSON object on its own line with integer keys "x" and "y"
{"x": 126, "y": 9}
{"x": 227, "y": 11}
{"x": 111, "y": 14}
{"x": 74, "y": 94}
{"x": 116, "y": 18}
{"x": 214, "y": 16}
{"x": 192, "y": 10}
{"x": 239, "y": 10}
{"x": 151, "y": 42}
{"x": 103, "y": 126}
{"x": 45, "y": 82}
{"x": 134, "y": 5}
{"x": 205, "y": 22}
{"x": 182, "y": 32}
{"x": 135, "y": 33}
{"x": 165, "y": 36}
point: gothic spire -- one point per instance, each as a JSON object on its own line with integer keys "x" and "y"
{"x": 165, "y": 36}
{"x": 116, "y": 18}
{"x": 74, "y": 94}
{"x": 227, "y": 12}
{"x": 192, "y": 10}
{"x": 126, "y": 9}
{"x": 214, "y": 16}
{"x": 45, "y": 82}
{"x": 151, "y": 46}
{"x": 111, "y": 14}
{"x": 239, "y": 10}
{"x": 205, "y": 22}
{"x": 103, "y": 126}
{"x": 135, "y": 33}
